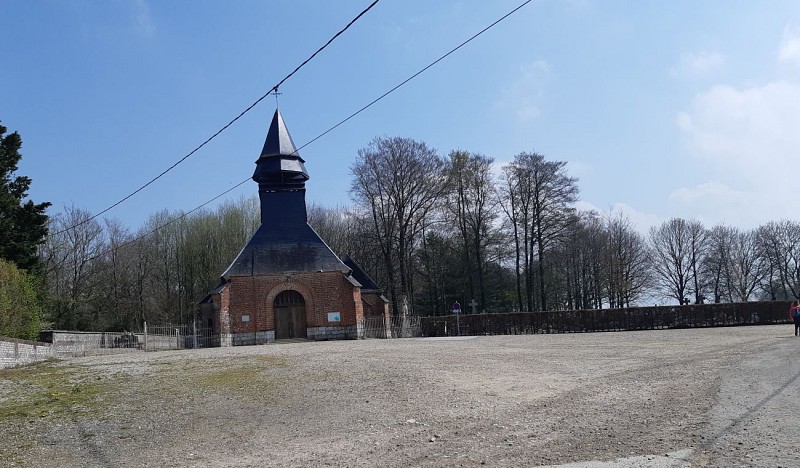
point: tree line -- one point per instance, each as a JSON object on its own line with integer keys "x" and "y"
{"x": 430, "y": 229}
{"x": 437, "y": 229}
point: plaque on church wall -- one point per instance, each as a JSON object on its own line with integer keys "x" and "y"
{"x": 245, "y": 318}
{"x": 334, "y": 317}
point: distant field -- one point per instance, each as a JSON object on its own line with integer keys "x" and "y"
{"x": 701, "y": 397}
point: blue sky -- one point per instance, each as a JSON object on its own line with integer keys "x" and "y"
{"x": 661, "y": 109}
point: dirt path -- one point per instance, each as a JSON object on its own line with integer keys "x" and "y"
{"x": 712, "y": 397}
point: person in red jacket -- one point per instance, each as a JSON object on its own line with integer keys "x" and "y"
{"x": 794, "y": 314}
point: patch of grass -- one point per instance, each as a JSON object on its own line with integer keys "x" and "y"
{"x": 249, "y": 375}
{"x": 45, "y": 389}
{"x": 228, "y": 378}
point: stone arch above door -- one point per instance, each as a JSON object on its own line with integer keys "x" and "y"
{"x": 276, "y": 312}
{"x": 286, "y": 285}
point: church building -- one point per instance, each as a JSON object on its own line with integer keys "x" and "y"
{"x": 286, "y": 282}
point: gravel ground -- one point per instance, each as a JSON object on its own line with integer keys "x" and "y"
{"x": 669, "y": 398}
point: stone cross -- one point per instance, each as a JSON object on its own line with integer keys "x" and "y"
{"x": 473, "y": 304}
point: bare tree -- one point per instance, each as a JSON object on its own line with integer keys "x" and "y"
{"x": 398, "y": 182}
{"x": 717, "y": 267}
{"x": 671, "y": 245}
{"x": 337, "y": 226}
{"x": 779, "y": 244}
{"x": 69, "y": 257}
{"x": 577, "y": 263}
{"x": 697, "y": 251}
{"x": 543, "y": 197}
{"x": 472, "y": 204}
{"x": 116, "y": 278}
{"x": 515, "y": 202}
{"x": 628, "y": 263}
{"x": 746, "y": 267}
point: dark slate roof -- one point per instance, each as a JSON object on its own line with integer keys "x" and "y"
{"x": 217, "y": 289}
{"x": 279, "y": 142}
{"x": 276, "y": 249}
{"x": 279, "y": 166}
{"x": 367, "y": 284}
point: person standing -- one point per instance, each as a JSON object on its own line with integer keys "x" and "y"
{"x": 794, "y": 314}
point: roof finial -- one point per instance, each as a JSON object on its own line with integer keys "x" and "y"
{"x": 276, "y": 93}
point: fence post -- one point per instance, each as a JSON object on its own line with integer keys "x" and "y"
{"x": 194, "y": 332}
{"x": 145, "y": 336}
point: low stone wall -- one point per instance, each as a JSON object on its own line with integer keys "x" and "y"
{"x": 252, "y": 338}
{"x": 632, "y": 318}
{"x": 344, "y": 332}
{"x": 74, "y": 343}
{"x": 14, "y": 352}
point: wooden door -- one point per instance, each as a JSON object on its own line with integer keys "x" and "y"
{"x": 298, "y": 321}
{"x": 283, "y": 322}
{"x": 290, "y": 315}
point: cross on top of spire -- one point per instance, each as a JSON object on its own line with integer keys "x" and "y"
{"x": 275, "y": 93}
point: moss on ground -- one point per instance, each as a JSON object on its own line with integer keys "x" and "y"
{"x": 46, "y": 389}
{"x": 250, "y": 375}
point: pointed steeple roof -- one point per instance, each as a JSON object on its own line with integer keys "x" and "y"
{"x": 280, "y": 166}
{"x": 284, "y": 243}
{"x": 279, "y": 142}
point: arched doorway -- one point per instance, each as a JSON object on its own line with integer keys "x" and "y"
{"x": 290, "y": 315}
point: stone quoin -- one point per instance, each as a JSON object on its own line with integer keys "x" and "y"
{"x": 286, "y": 282}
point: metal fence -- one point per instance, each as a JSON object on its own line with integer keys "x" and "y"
{"x": 634, "y": 318}
{"x": 172, "y": 336}
{"x": 398, "y": 327}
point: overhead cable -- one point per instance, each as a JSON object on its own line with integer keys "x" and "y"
{"x": 415, "y": 75}
{"x": 326, "y": 131}
{"x": 274, "y": 89}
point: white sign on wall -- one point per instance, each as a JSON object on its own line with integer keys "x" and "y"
{"x": 334, "y": 317}
{"x": 245, "y": 318}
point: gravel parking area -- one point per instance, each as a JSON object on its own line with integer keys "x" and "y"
{"x": 668, "y": 398}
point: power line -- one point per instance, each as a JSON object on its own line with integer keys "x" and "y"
{"x": 415, "y": 74}
{"x": 241, "y": 114}
{"x": 315, "y": 138}
{"x": 162, "y": 226}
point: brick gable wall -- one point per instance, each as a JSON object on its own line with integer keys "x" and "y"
{"x": 245, "y": 306}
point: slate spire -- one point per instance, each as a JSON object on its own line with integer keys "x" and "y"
{"x": 280, "y": 167}
{"x": 284, "y": 242}
{"x": 278, "y": 142}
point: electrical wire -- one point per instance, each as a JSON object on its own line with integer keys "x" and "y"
{"x": 162, "y": 226}
{"x": 235, "y": 119}
{"x": 315, "y": 138}
{"x": 415, "y": 75}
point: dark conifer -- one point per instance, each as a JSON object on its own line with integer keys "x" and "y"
{"x": 23, "y": 224}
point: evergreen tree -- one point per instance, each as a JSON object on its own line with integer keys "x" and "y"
{"x": 23, "y": 224}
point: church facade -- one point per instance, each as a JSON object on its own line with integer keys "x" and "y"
{"x": 286, "y": 282}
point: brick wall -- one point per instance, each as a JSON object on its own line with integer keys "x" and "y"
{"x": 375, "y": 305}
{"x": 246, "y": 305}
{"x": 14, "y": 352}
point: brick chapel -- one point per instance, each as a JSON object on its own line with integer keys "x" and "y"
{"x": 286, "y": 282}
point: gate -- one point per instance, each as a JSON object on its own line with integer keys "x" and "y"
{"x": 172, "y": 336}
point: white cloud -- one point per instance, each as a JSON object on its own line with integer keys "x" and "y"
{"x": 529, "y": 112}
{"x": 701, "y": 64}
{"x": 142, "y": 19}
{"x": 790, "y": 48}
{"x": 714, "y": 191}
{"x": 749, "y": 139}
{"x": 641, "y": 221}
{"x": 521, "y": 97}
